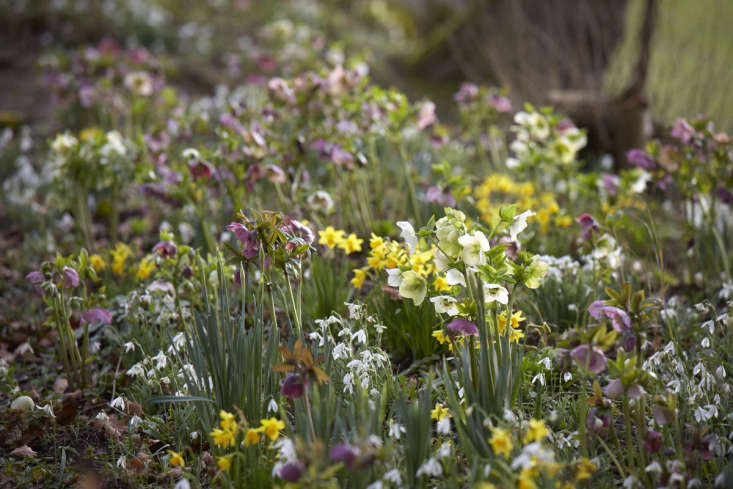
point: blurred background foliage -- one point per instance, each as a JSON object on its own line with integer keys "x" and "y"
{"x": 580, "y": 55}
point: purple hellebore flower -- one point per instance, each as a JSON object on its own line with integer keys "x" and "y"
{"x": 640, "y": 159}
{"x": 463, "y": 326}
{"x": 619, "y": 319}
{"x": 297, "y": 228}
{"x": 35, "y": 277}
{"x": 724, "y": 195}
{"x": 662, "y": 415}
{"x": 274, "y": 174}
{"x": 590, "y": 225}
{"x": 341, "y": 157}
{"x": 596, "y": 309}
{"x": 228, "y": 120}
{"x": 293, "y": 386}
{"x": 91, "y": 316}
{"x": 615, "y": 389}
{"x": 682, "y": 130}
{"x": 187, "y": 271}
{"x": 591, "y": 357}
{"x": 291, "y": 471}
{"x": 343, "y": 452}
{"x": 628, "y": 340}
{"x": 653, "y": 441}
{"x": 247, "y": 238}
{"x": 501, "y": 104}
{"x": 426, "y": 115}
{"x": 201, "y": 169}
{"x": 466, "y": 93}
{"x": 165, "y": 248}
{"x": 610, "y": 182}
{"x": 71, "y": 278}
{"x": 436, "y": 195}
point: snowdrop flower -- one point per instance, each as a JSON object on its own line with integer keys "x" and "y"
{"x": 272, "y": 406}
{"x": 160, "y": 360}
{"x": 519, "y": 224}
{"x": 408, "y": 234}
{"x": 118, "y": 403}
{"x": 445, "y": 450}
{"x": 431, "y": 468}
{"x": 396, "y": 430}
{"x": 135, "y": 421}
{"x": 129, "y": 346}
{"x": 443, "y": 426}
{"x": 495, "y": 293}
{"x": 136, "y": 370}
{"x": 376, "y": 485}
{"x": 474, "y": 247}
{"x": 47, "y": 409}
{"x": 394, "y": 477}
{"x": 445, "y": 304}
{"x": 64, "y": 142}
{"x": 114, "y": 146}
{"x": 121, "y": 462}
{"x": 182, "y": 484}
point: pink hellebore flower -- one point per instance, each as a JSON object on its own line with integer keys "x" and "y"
{"x": 619, "y": 318}
{"x": 71, "y": 278}
{"x": 247, "y": 238}
{"x": 165, "y": 248}
{"x": 91, "y": 316}
{"x": 591, "y": 357}
{"x": 590, "y": 225}
{"x": 463, "y": 326}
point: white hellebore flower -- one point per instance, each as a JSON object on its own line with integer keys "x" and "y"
{"x": 519, "y": 224}
{"x": 413, "y": 287}
{"x": 455, "y": 277}
{"x": 394, "y": 277}
{"x": 408, "y": 234}
{"x": 495, "y": 292}
{"x": 445, "y": 304}
{"x": 474, "y": 247}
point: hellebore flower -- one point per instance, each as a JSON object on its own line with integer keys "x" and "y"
{"x": 274, "y": 174}
{"x": 466, "y": 93}
{"x": 501, "y": 104}
{"x": 519, "y": 224}
{"x": 640, "y": 159}
{"x": 247, "y": 238}
{"x": 436, "y": 195}
{"x": 71, "y": 278}
{"x": 619, "y": 318}
{"x": 682, "y": 130}
{"x": 463, "y": 326}
{"x": 653, "y": 441}
{"x": 343, "y": 452}
{"x": 590, "y": 357}
{"x": 495, "y": 292}
{"x": 445, "y": 304}
{"x": 413, "y": 286}
{"x": 615, "y": 388}
{"x": 426, "y": 115}
{"x": 35, "y": 277}
{"x": 291, "y": 471}
{"x": 293, "y": 386}
{"x": 590, "y": 225}
{"x": 408, "y": 234}
{"x": 91, "y": 316}
{"x": 165, "y": 248}
{"x": 201, "y": 169}
{"x": 474, "y": 247}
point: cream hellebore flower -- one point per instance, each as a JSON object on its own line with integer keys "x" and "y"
{"x": 495, "y": 292}
{"x": 64, "y": 142}
{"x": 413, "y": 287}
{"x": 408, "y": 234}
{"x": 445, "y": 304}
{"x": 455, "y": 277}
{"x": 447, "y": 230}
{"x": 519, "y": 224}
{"x": 440, "y": 260}
{"x": 474, "y": 247}
{"x": 536, "y": 271}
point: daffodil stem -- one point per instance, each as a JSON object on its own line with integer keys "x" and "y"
{"x": 311, "y": 426}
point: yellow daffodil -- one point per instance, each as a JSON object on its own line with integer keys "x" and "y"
{"x": 376, "y": 242}
{"x": 501, "y": 442}
{"x": 439, "y": 412}
{"x": 119, "y": 254}
{"x": 272, "y": 427}
{"x": 97, "y": 263}
{"x": 439, "y": 335}
{"x": 516, "y": 335}
{"x": 223, "y": 438}
{"x": 351, "y": 244}
{"x": 359, "y": 277}
{"x": 252, "y": 437}
{"x": 440, "y": 284}
{"x": 176, "y": 459}
{"x": 585, "y": 469}
{"x": 526, "y": 479}
{"x": 225, "y": 462}
{"x": 146, "y": 266}
{"x": 228, "y": 421}
{"x": 537, "y": 431}
{"x": 330, "y": 237}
